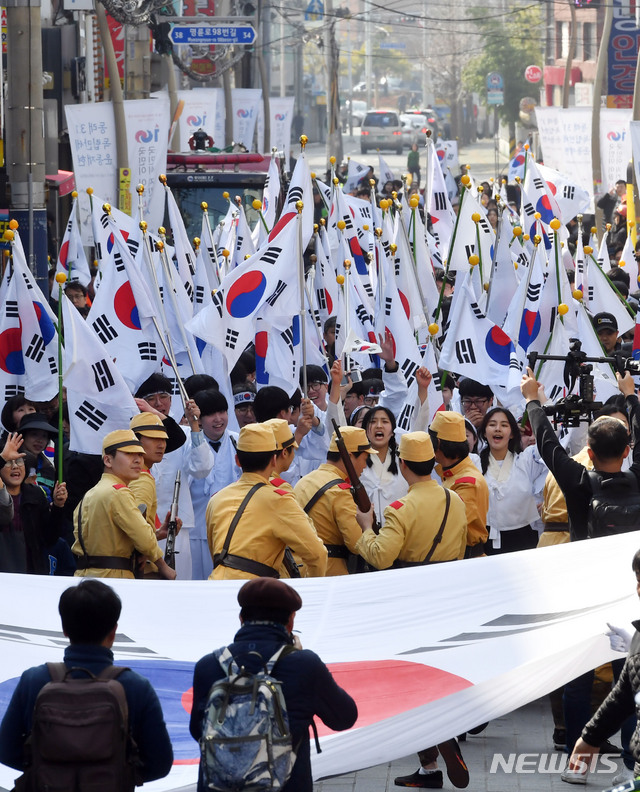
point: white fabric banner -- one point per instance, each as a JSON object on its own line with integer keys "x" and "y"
{"x": 148, "y": 122}
{"x": 246, "y": 105}
{"x": 426, "y": 652}
{"x": 281, "y": 109}
{"x": 200, "y": 112}
{"x": 615, "y": 145}
{"x": 92, "y": 136}
{"x": 565, "y": 137}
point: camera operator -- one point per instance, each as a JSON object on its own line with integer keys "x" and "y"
{"x": 606, "y": 327}
{"x": 608, "y": 446}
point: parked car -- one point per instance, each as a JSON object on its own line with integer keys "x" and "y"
{"x": 429, "y": 119}
{"x": 358, "y": 112}
{"x": 414, "y": 127}
{"x": 381, "y": 129}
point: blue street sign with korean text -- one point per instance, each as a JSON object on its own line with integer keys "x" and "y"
{"x": 212, "y": 34}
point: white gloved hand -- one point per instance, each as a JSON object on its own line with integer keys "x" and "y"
{"x": 619, "y": 639}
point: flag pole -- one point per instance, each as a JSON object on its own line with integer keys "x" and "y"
{"x": 161, "y": 248}
{"x": 210, "y": 245}
{"x": 60, "y": 280}
{"x": 301, "y": 284}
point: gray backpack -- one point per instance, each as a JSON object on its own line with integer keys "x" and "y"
{"x": 246, "y": 743}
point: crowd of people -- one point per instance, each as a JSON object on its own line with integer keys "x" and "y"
{"x": 268, "y": 484}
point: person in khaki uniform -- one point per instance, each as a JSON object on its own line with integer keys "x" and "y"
{"x": 427, "y": 526}
{"x": 250, "y": 523}
{"x": 108, "y": 526}
{"x": 421, "y": 527}
{"x": 325, "y": 495}
{"x": 152, "y": 436}
{"x": 459, "y": 474}
{"x": 285, "y": 451}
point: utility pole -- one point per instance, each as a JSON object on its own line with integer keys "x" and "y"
{"x": 25, "y": 157}
{"x": 601, "y": 64}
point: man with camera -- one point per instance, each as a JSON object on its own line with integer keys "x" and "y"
{"x": 607, "y": 445}
{"x": 599, "y": 502}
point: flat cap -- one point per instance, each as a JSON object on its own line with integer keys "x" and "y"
{"x": 416, "y": 447}
{"x": 257, "y": 438}
{"x": 122, "y": 440}
{"x": 355, "y": 440}
{"x": 267, "y": 592}
{"x": 149, "y": 425}
{"x": 449, "y": 426}
{"x": 282, "y": 431}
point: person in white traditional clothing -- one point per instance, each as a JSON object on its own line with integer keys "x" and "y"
{"x": 214, "y": 417}
{"x": 515, "y": 479}
{"x": 381, "y": 477}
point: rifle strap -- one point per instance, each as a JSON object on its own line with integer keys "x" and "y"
{"x": 239, "y": 562}
{"x": 321, "y": 492}
{"x": 438, "y": 537}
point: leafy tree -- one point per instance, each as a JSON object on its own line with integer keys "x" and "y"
{"x": 511, "y": 43}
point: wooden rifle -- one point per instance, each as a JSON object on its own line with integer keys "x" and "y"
{"x": 172, "y": 526}
{"x": 358, "y": 492}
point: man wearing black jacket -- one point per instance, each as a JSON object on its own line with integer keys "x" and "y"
{"x": 608, "y": 447}
{"x": 268, "y": 608}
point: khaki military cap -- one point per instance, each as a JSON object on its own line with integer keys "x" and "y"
{"x": 257, "y": 438}
{"x": 416, "y": 447}
{"x": 449, "y": 426}
{"x": 121, "y": 440}
{"x": 149, "y": 425}
{"x": 355, "y": 440}
{"x": 282, "y": 432}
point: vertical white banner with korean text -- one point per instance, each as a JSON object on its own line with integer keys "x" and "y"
{"x": 245, "y": 103}
{"x": 200, "y": 112}
{"x": 615, "y": 145}
{"x": 565, "y": 136}
{"x": 281, "y": 118}
{"x": 148, "y": 122}
{"x": 92, "y": 136}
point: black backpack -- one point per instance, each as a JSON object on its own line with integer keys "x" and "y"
{"x": 614, "y": 506}
{"x": 80, "y": 735}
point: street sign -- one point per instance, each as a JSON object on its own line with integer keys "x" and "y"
{"x": 212, "y": 34}
{"x": 314, "y": 11}
{"x": 533, "y": 74}
{"x": 495, "y": 82}
{"x": 495, "y": 97}
{"x": 399, "y": 45}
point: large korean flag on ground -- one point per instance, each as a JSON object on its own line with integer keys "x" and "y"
{"x": 426, "y": 653}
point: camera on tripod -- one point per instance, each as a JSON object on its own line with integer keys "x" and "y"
{"x": 578, "y": 367}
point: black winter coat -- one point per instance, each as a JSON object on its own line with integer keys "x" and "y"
{"x": 620, "y": 703}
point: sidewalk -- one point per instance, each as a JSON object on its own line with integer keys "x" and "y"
{"x": 525, "y": 731}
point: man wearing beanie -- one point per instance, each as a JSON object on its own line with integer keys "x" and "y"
{"x": 250, "y": 523}
{"x": 459, "y": 474}
{"x": 108, "y": 527}
{"x": 268, "y": 609}
{"x": 475, "y": 400}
